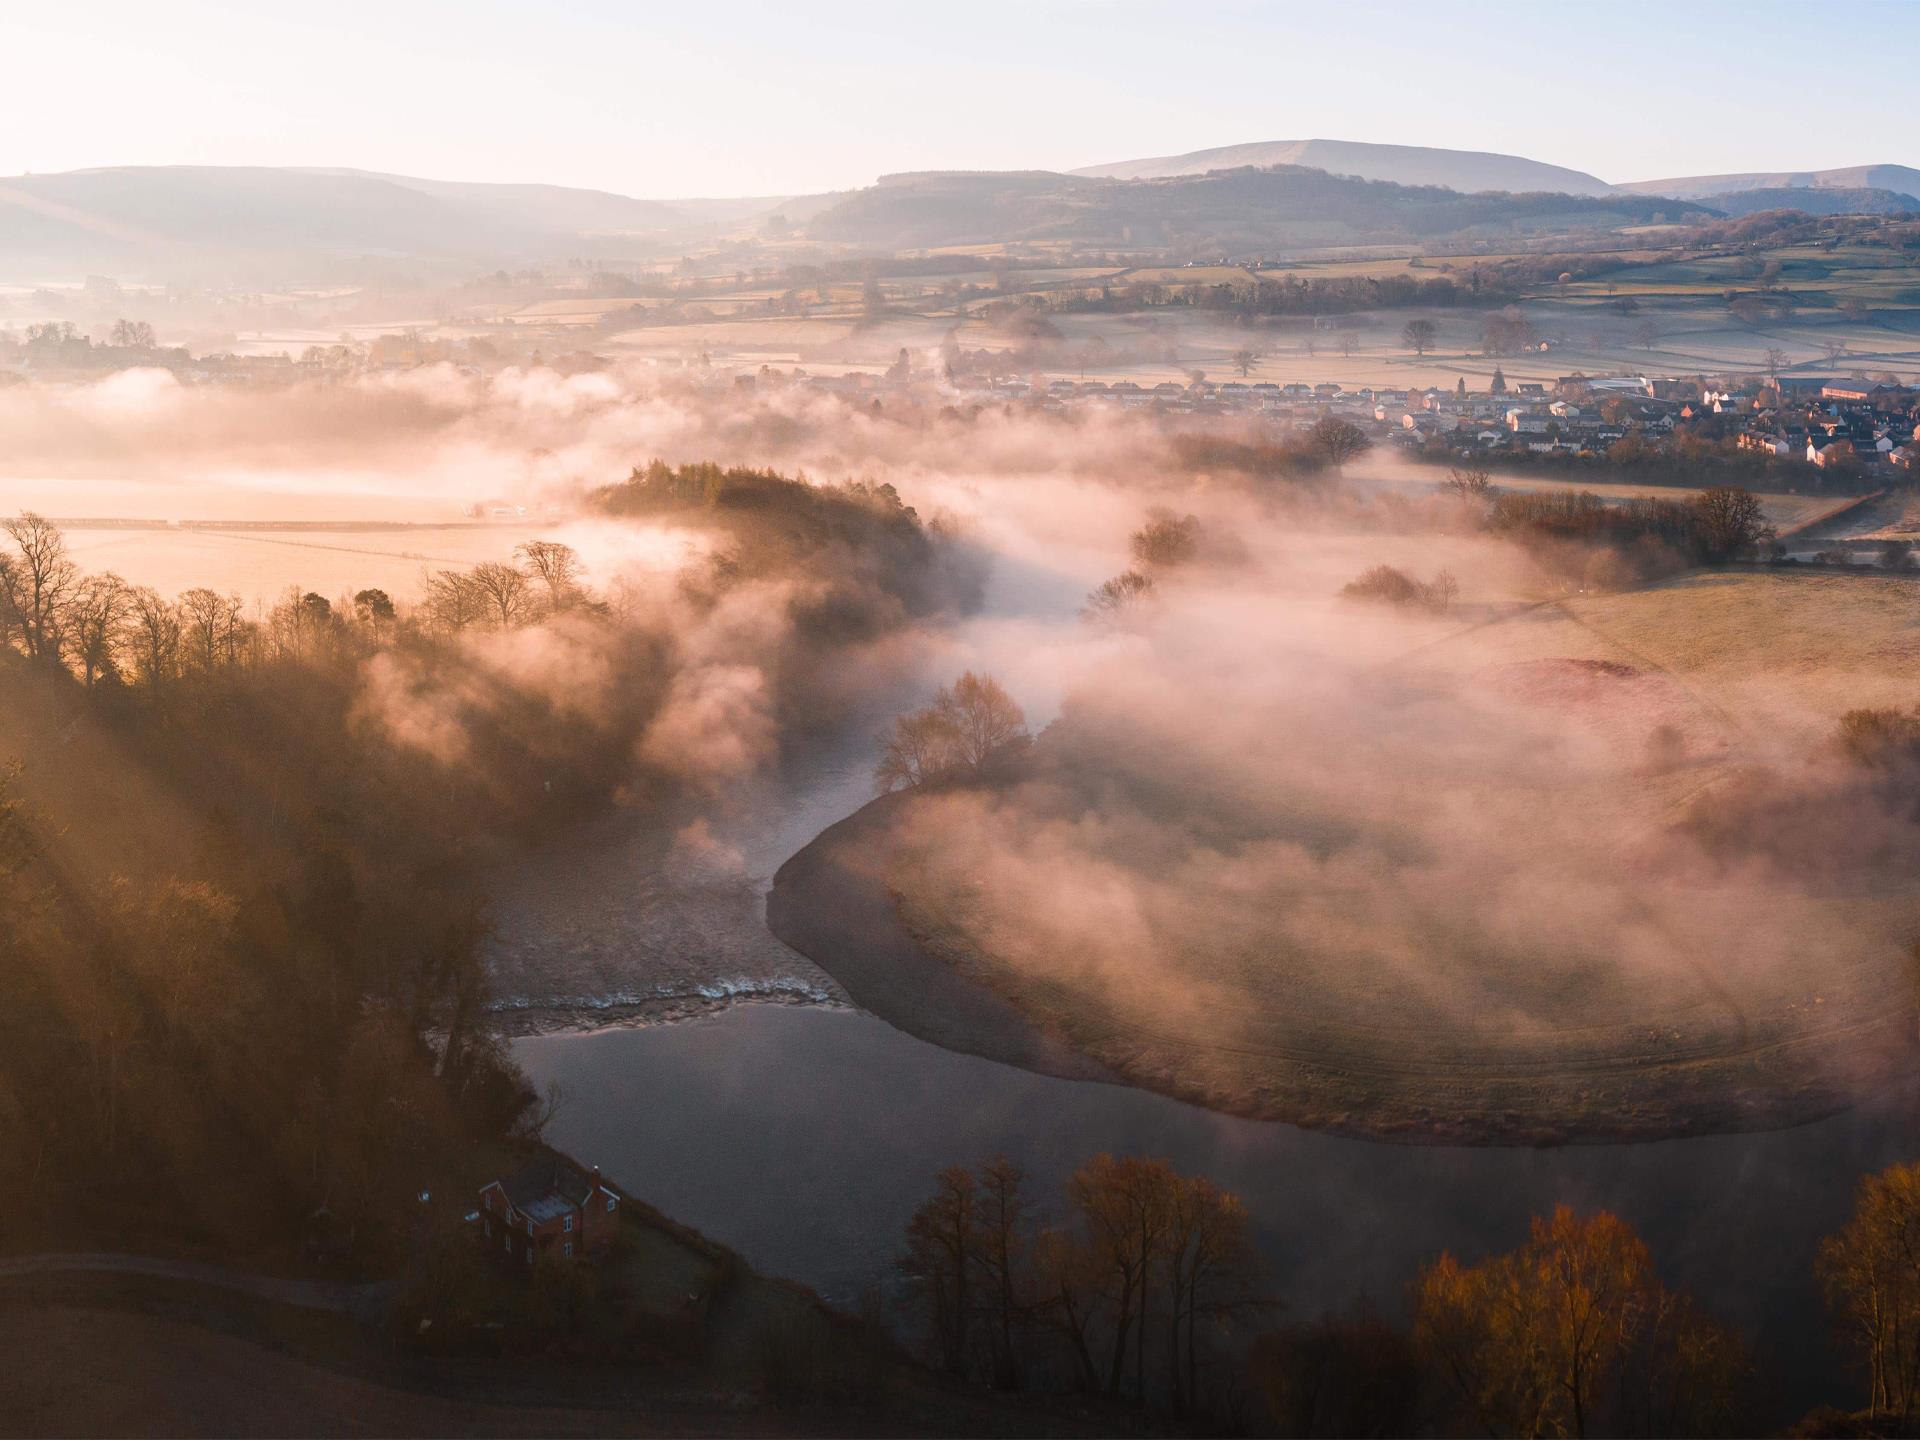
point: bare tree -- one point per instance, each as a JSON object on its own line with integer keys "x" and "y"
{"x": 556, "y": 567}
{"x": 1337, "y": 440}
{"x": 1112, "y": 600}
{"x": 919, "y": 748}
{"x": 36, "y": 581}
{"x": 506, "y": 592}
{"x": 1418, "y": 336}
{"x": 968, "y": 727}
{"x": 1471, "y": 481}
{"x": 986, "y": 719}
{"x": 1167, "y": 540}
{"x": 207, "y": 618}
{"x": 454, "y": 601}
{"x": 153, "y": 636}
{"x": 941, "y": 1245}
{"x": 96, "y": 618}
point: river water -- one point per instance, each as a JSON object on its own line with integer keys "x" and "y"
{"x": 805, "y": 1137}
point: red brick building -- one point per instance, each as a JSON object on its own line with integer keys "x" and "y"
{"x": 549, "y": 1205}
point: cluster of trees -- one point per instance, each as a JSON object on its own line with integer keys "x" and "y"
{"x": 1286, "y": 296}
{"x": 1143, "y": 1284}
{"x": 873, "y": 560}
{"x": 545, "y": 579}
{"x": 1386, "y": 585}
{"x": 972, "y": 727}
{"x": 1165, "y": 543}
{"x": 1507, "y": 333}
{"x": 1881, "y": 739}
{"x": 1574, "y": 1334}
{"x": 242, "y": 995}
{"x": 1306, "y": 454}
{"x": 240, "y": 855}
{"x": 61, "y": 343}
{"x": 107, "y": 631}
{"x": 1649, "y": 536}
{"x": 1695, "y": 454}
{"x": 1136, "y": 1292}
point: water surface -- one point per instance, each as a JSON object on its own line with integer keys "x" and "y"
{"x": 804, "y": 1139}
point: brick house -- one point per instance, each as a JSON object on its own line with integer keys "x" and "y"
{"x": 549, "y": 1204}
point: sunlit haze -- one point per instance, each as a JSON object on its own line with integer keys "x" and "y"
{"x": 1052, "y": 719}
{"x": 764, "y": 99}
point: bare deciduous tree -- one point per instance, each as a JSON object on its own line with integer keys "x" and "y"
{"x": 556, "y": 568}
{"x": 35, "y": 582}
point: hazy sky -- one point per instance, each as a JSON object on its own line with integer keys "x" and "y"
{"x": 740, "y": 97}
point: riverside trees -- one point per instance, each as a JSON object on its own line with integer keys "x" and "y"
{"x": 970, "y": 727}
{"x": 1134, "y": 1291}
{"x": 241, "y": 928}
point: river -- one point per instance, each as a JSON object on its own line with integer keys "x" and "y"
{"x": 805, "y": 1137}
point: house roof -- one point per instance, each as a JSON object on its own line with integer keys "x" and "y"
{"x": 546, "y": 1188}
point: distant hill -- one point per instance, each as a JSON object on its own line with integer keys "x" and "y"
{"x": 543, "y": 209}
{"x": 1464, "y": 170}
{"x": 1901, "y": 179}
{"x": 198, "y": 220}
{"x": 1817, "y": 200}
{"x": 1223, "y": 211}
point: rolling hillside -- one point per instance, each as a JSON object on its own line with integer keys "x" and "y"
{"x": 1221, "y": 212}
{"x": 166, "y": 220}
{"x": 1464, "y": 170}
{"x": 1902, "y": 179}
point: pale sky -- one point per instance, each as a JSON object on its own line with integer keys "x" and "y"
{"x": 741, "y": 97}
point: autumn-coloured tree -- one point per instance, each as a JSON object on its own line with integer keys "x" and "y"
{"x": 1871, "y": 1271}
{"x": 968, "y": 727}
{"x": 1573, "y": 1333}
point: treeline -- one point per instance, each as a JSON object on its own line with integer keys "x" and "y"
{"x": 1648, "y": 537}
{"x": 242, "y": 989}
{"x": 1307, "y": 454}
{"x": 242, "y": 998}
{"x": 1687, "y": 458}
{"x": 1140, "y": 1283}
{"x": 873, "y": 559}
{"x": 1289, "y": 295}
{"x": 1143, "y": 1284}
{"x": 1135, "y": 1292}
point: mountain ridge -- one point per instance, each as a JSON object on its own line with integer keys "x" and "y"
{"x": 1469, "y": 171}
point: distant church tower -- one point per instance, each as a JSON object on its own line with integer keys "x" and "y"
{"x": 1499, "y": 386}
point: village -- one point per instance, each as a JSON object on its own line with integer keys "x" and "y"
{"x": 1834, "y": 424}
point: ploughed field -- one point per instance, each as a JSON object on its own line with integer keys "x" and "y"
{"x": 1510, "y": 889}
